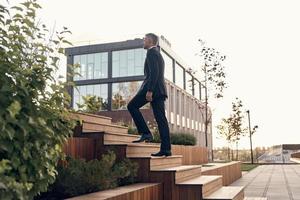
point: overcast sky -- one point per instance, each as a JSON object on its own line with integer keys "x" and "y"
{"x": 259, "y": 37}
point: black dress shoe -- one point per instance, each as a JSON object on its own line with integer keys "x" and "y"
{"x": 162, "y": 153}
{"x": 146, "y": 138}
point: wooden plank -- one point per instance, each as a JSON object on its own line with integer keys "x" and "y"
{"x": 183, "y": 172}
{"x": 109, "y": 128}
{"x": 227, "y": 193}
{"x": 187, "y": 174}
{"x": 165, "y": 162}
{"x": 117, "y": 138}
{"x": 145, "y": 191}
{"x": 192, "y": 155}
{"x": 229, "y": 171}
{"x": 91, "y": 118}
{"x": 208, "y": 184}
{"x": 80, "y": 148}
{"x": 141, "y": 149}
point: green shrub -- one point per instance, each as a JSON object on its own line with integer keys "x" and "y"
{"x": 132, "y": 130}
{"x": 177, "y": 138}
{"x": 34, "y": 115}
{"x": 78, "y": 177}
{"x": 91, "y": 104}
{"x": 156, "y": 137}
{"x": 183, "y": 139}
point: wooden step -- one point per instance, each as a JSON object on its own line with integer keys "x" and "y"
{"x": 91, "y": 118}
{"x": 209, "y": 184}
{"x": 119, "y": 138}
{"x": 138, "y": 150}
{"x": 145, "y": 191}
{"x": 165, "y": 162}
{"x": 183, "y": 172}
{"x": 227, "y": 193}
{"x": 109, "y": 128}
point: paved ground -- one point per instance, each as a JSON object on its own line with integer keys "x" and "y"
{"x": 277, "y": 182}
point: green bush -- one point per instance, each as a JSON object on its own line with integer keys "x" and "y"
{"x": 78, "y": 177}
{"x": 183, "y": 139}
{"x": 132, "y": 130}
{"x": 177, "y": 138}
{"x": 91, "y": 104}
{"x": 34, "y": 115}
{"x": 156, "y": 137}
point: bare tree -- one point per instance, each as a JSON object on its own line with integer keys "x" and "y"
{"x": 214, "y": 77}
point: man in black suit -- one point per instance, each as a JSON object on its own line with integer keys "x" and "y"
{"x": 152, "y": 90}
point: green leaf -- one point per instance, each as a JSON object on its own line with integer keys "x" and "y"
{"x": 14, "y": 108}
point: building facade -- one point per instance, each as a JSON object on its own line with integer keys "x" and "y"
{"x": 115, "y": 71}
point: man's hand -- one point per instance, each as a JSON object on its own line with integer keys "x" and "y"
{"x": 149, "y": 96}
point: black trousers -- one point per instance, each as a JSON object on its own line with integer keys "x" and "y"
{"x": 158, "y": 107}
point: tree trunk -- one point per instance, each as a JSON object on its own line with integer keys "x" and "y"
{"x": 237, "y": 151}
{"x": 228, "y": 152}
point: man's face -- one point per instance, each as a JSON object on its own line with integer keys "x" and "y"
{"x": 147, "y": 42}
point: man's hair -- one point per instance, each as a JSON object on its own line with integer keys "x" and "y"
{"x": 153, "y": 37}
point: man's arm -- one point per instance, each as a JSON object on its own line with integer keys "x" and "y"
{"x": 152, "y": 61}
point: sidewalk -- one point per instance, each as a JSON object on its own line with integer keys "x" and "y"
{"x": 277, "y": 182}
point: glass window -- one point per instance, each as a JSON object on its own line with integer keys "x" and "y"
{"x": 100, "y": 65}
{"x": 189, "y": 83}
{"x": 76, "y": 62}
{"x": 197, "y": 89}
{"x": 99, "y": 90}
{"x": 179, "y": 76}
{"x": 92, "y": 66}
{"x": 192, "y": 123}
{"x": 123, "y": 92}
{"x": 76, "y": 97}
{"x": 168, "y": 66}
{"x": 83, "y": 60}
{"x": 128, "y": 62}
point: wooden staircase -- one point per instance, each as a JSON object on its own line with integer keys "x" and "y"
{"x": 180, "y": 182}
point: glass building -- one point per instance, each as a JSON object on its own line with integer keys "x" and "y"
{"x": 115, "y": 71}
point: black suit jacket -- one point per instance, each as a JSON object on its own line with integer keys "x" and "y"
{"x": 154, "y": 69}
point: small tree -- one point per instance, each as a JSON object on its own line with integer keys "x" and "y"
{"x": 232, "y": 128}
{"x": 34, "y": 115}
{"x": 237, "y": 120}
{"x": 214, "y": 77}
{"x": 225, "y": 130}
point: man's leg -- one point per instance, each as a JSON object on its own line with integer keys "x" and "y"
{"x": 158, "y": 106}
{"x": 133, "y": 107}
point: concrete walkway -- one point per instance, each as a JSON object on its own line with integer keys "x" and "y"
{"x": 277, "y": 182}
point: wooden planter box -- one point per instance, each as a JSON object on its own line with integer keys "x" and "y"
{"x": 192, "y": 155}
